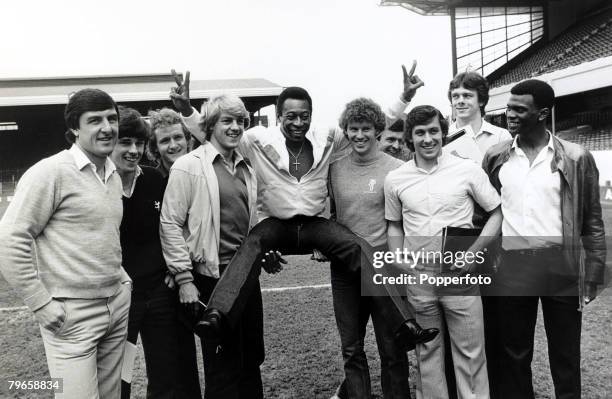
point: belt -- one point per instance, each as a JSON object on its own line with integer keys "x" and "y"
{"x": 535, "y": 251}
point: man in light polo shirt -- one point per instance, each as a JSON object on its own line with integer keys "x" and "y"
{"x": 550, "y": 200}
{"x": 426, "y": 194}
{"x": 68, "y": 209}
{"x": 468, "y": 93}
{"x": 292, "y": 162}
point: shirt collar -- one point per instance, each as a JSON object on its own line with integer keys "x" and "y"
{"x": 81, "y": 160}
{"x": 217, "y": 155}
{"x": 549, "y": 145}
{"x": 441, "y": 160}
{"x": 485, "y": 127}
{"x": 138, "y": 172}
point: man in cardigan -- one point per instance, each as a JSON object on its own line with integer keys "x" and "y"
{"x": 68, "y": 209}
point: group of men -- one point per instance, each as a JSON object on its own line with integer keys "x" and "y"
{"x": 191, "y": 236}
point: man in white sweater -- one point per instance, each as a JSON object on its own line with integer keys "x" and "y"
{"x": 59, "y": 240}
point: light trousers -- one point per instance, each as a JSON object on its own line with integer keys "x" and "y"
{"x": 87, "y": 350}
{"x": 463, "y": 316}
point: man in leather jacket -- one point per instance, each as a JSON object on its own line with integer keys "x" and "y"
{"x": 550, "y": 200}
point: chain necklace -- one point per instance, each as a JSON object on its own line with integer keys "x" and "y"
{"x": 296, "y": 163}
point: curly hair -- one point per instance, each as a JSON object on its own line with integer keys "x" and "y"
{"x": 422, "y": 115}
{"x": 160, "y": 118}
{"x": 363, "y": 110}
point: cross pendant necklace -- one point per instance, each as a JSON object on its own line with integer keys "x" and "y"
{"x": 296, "y": 163}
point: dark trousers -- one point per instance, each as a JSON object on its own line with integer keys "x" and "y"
{"x": 517, "y": 322}
{"x": 153, "y": 315}
{"x": 298, "y": 235}
{"x": 352, "y": 313}
{"x": 231, "y": 365}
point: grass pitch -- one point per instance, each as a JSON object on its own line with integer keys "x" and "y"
{"x": 303, "y": 357}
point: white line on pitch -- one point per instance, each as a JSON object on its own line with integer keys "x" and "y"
{"x": 298, "y": 287}
{"x": 278, "y": 289}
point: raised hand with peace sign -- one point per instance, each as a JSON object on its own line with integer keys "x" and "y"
{"x": 411, "y": 82}
{"x": 180, "y": 94}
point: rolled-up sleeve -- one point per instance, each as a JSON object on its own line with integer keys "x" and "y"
{"x": 393, "y": 205}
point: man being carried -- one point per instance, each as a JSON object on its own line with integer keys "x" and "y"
{"x": 292, "y": 163}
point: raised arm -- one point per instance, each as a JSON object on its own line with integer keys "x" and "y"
{"x": 190, "y": 116}
{"x": 180, "y": 94}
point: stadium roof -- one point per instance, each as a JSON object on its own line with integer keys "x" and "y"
{"x": 585, "y": 41}
{"x": 442, "y": 7}
{"x": 55, "y": 90}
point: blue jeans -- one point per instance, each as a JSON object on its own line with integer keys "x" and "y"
{"x": 352, "y": 313}
{"x": 298, "y": 235}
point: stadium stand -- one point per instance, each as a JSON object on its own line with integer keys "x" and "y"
{"x": 589, "y": 39}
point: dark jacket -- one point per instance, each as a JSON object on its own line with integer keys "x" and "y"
{"x": 580, "y": 205}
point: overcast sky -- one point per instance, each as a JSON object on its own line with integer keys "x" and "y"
{"x": 336, "y": 49}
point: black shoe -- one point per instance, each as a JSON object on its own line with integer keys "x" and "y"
{"x": 410, "y": 333}
{"x": 209, "y": 326}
